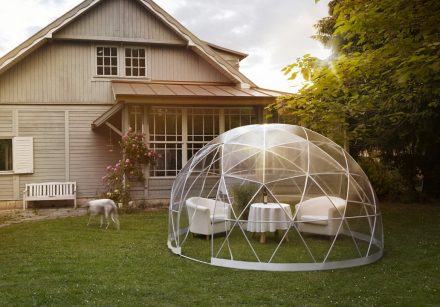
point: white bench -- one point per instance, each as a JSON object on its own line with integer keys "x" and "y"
{"x": 49, "y": 191}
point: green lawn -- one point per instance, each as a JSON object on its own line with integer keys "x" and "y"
{"x": 62, "y": 262}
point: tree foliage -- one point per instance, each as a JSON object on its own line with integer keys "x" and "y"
{"x": 379, "y": 92}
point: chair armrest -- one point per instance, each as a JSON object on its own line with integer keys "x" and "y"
{"x": 223, "y": 209}
{"x": 336, "y": 212}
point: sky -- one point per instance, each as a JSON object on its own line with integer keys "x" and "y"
{"x": 273, "y": 32}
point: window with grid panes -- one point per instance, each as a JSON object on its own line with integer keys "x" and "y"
{"x": 237, "y": 117}
{"x": 136, "y": 118}
{"x": 165, "y": 130}
{"x": 135, "y": 62}
{"x": 202, "y": 125}
{"x": 106, "y": 61}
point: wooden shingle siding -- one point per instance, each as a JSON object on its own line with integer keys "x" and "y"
{"x": 89, "y": 154}
{"x": 180, "y": 64}
{"x": 6, "y": 187}
{"x": 119, "y": 19}
{"x": 47, "y": 129}
{"x": 6, "y": 123}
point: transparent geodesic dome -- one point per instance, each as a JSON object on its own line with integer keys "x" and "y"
{"x": 274, "y": 197}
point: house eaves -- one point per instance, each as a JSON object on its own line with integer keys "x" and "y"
{"x": 240, "y": 55}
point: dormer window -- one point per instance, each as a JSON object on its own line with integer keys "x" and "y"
{"x": 135, "y": 62}
{"x": 106, "y": 61}
{"x": 121, "y": 61}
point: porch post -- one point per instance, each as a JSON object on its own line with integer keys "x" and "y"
{"x": 125, "y": 120}
{"x": 146, "y": 131}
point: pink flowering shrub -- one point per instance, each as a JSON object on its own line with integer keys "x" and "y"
{"x": 135, "y": 155}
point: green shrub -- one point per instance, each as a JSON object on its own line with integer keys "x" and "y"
{"x": 387, "y": 181}
{"x": 242, "y": 195}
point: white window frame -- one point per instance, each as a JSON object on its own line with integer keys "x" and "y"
{"x": 121, "y": 63}
{"x": 118, "y": 68}
{"x": 138, "y": 113}
{"x": 185, "y": 133}
{"x": 251, "y": 117}
{"x": 193, "y": 145}
{"x": 145, "y": 59}
{"x": 154, "y": 143}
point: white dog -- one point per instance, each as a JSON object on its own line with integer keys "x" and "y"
{"x": 106, "y": 208}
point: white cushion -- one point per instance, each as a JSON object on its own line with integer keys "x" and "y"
{"x": 315, "y": 219}
{"x": 218, "y": 218}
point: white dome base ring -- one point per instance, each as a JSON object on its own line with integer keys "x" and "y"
{"x": 292, "y": 267}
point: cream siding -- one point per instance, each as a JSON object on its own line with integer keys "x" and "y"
{"x": 6, "y": 130}
{"x": 63, "y": 73}
{"x": 6, "y": 123}
{"x": 65, "y": 148}
{"x": 47, "y": 129}
{"x": 181, "y": 64}
{"x": 119, "y": 19}
{"x": 6, "y": 187}
{"x": 57, "y": 73}
{"x": 159, "y": 188}
{"x": 89, "y": 154}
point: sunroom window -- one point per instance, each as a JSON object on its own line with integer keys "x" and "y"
{"x": 106, "y": 61}
{"x": 5, "y": 154}
{"x": 203, "y": 127}
{"x": 136, "y": 116}
{"x": 178, "y": 133}
{"x": 165, "y": 128}
{"x": 237, "y": 117}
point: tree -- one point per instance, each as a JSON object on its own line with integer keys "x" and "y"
{"x": 379, "y": 92}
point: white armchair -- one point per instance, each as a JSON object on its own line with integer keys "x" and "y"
{"x": 320, "y": 215}
{"x": 208, "y": 216}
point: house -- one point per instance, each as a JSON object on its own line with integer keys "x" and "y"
{"x": 70, "y": 91}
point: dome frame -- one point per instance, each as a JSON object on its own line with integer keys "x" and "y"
{"x": 294, "y": 182}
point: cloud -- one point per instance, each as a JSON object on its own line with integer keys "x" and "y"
{"x": 20, "y": 19}
{"x": 32, "y": 30}
{"x": 273, "y": 33}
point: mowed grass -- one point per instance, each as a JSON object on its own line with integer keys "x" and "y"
{"x": 63, "y": 262}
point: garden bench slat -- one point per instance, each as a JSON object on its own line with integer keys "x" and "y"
{"x": 49, "y": 191}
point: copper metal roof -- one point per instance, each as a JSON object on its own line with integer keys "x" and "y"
{"x": 189, "y": 90}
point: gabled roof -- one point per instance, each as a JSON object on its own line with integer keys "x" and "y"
{"x": 197, "y": 45}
